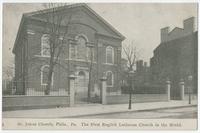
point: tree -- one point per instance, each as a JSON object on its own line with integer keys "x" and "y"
{"x": 7, "y": 78}
{"x": 89, "y": 60}
{"x": 90, "y": 64}
{"x": 57, "y": 27}
{"x": 58, "y": 39}
{"x": 8, "y": 72}
{"x": 131, "y": 55}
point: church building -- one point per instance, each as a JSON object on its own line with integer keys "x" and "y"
{"x": 90, "y": 46}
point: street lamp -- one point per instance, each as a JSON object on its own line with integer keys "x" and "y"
{"x": 190, "y": 87}
{"x": 130, "y": 87}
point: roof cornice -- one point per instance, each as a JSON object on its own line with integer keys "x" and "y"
{"x": 78, "y": 5}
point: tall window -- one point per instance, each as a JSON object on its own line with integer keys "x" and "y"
{"x": 45, "y": 45}
{"x": 110, "y": 80}
{"x": 81, "y": 48}
{"x": 44, "y": 75}
{"x": 90, "y": 54}
{"x": 109, "y": 55}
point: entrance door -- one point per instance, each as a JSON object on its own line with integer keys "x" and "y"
{"x": 82, "y": 87}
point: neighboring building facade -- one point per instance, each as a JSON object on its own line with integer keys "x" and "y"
{"x": 85, "y": 27}
{"x": 176, "y": 58}
{"x": 142, "y": 73}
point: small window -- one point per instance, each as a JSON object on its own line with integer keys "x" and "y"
{"x": 109, "y": 76}
{"x": 109, "y": 55}
{"x": 45, "y": 45}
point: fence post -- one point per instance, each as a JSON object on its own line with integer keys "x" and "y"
{"x": 71, "y": 90}
{"x": 182, "y": 87}
{"x": 103, "y": 82}
{"x": 168, "y": 86}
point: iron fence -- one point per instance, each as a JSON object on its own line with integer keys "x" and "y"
{"x": 144, "y": 89}
{"x": 10, "y": 88}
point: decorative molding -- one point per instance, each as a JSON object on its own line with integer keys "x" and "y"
{"x": 108, "y": 36}
{"x": 82, "y": 68}
{"x": 110, "y": 47}
{"x": 42, "y": 56}
{"x": 109, "y": 64}
{"x": 30, "y": 32}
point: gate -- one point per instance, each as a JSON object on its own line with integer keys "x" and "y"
{"x": 175, "y": 93}
{"x": 81, "y": 90}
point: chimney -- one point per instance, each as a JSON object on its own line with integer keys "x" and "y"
{"x": 139, "y": 65}
{"x": 164, "y": 34}
{"x": 188, "y": 25}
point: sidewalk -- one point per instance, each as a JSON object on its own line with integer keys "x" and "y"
{"x": 92, "y": 109}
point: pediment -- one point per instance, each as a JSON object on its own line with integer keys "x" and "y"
{"x": 81, "y": 13}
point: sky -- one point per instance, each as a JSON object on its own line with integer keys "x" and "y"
{"x": 140, "y": 23}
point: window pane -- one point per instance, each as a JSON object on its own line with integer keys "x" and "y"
{"x": 45, "y": 45}
{"x": 81, "y": 49}
{"x": 109, "y": 55}
{"x": 109, "y": 78}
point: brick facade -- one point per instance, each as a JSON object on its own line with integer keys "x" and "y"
{"x": 86, "y": 23}
{"x": 176, "y": 57}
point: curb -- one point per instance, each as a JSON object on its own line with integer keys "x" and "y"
{"x": 142, "y": 110}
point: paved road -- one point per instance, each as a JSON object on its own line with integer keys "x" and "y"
{"x": 175, "y": 113}
{"x": 89, "y": 110}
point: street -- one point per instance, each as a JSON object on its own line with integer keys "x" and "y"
{"x": 169, "y": 109}
{"x": 173, "y": 113}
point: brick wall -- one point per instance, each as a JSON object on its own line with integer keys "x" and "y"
{"x": 31, "y": 102}
{"x": 136, "y": 98}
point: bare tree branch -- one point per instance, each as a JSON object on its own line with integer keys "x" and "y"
{"x": 131, "y": 55}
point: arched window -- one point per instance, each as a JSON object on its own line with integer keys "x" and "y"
{"x": 45, "y": 45}
{"x": 44, "y": 75}
{"x": 81, "y": 47}
{"x": 109, "y": 76}
{"x": 109, "y": 55}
